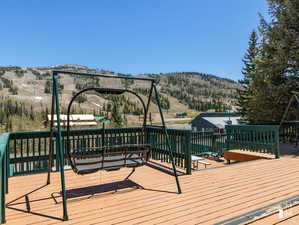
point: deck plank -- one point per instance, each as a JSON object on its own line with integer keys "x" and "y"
{"x": 209, "y": 196}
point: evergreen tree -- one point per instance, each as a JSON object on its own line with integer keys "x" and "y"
{"x": 116, "y": 115}
{"x": 48, "y": 87}
{"x": 249, "y": 71}
{"x": 277, "y": 64}
{"x": 31, "y": 113}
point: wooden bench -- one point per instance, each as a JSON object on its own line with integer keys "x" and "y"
{"x": 197, "y": 160}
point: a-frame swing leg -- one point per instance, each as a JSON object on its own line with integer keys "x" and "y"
{"x": 167, "y": 138}
{"x": 294, "y": 96}
{"x": 286, "y": 111}
{"x": 59, "y": 146}
{"x": 51, "y": 138}
{"x": 297, "y": 135}
{"x": 130, "y": 174}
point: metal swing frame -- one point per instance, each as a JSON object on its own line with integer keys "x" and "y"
{"x": 294, "y": 97}
{"x": 57, "y": 133}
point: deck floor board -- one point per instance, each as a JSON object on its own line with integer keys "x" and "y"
{"x": 209, "y": 195}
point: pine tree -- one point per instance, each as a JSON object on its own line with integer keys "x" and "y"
{"x": 249, "y": 71}
{"x": 116, "y": 115}
{"x": 48, "y": 87}
{"x": 31, "y": 113}
{"x": 277, "y": 64}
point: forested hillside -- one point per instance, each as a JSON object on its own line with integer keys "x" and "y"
{"x": 199, "y": 91}
{"x": 25, "y": 94}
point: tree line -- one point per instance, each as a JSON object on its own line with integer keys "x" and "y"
{"x": 12, "y": 108}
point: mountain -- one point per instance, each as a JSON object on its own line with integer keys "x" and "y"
{"x": 29, "y": 90}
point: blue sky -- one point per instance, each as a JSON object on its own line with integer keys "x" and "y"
{"x": 130, "y": 36}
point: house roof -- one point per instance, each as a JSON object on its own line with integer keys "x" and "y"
{"x": 218, "y": 114}
{"x": 215, "y": 120}
{"x": 221, "y": 122}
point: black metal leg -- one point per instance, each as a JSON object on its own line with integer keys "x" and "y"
{"x": 54, "y": 198}
{"x": 27, "y": 203}
{"x": 167, "y": 140}
{"x": 133, "y": 170}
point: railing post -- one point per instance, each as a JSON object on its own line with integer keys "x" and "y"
{"x": 277, "y": 150}
{"x": 56, "y": 154}
{"x": 213, "y": 142}
{"x": 4, "y": 140}
{"x": 188, "y": 152}
{"x": 228, "y": 133}
{"x": 2, "y": 189}
{"x": 7, "y": 167}
{"x": 3, "y": 179}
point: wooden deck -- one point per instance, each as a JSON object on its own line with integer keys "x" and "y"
{"x": 209, "y": 196}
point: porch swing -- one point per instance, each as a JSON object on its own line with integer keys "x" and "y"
{"x": 105, "y": 156}
{"x": 85, "y": 160}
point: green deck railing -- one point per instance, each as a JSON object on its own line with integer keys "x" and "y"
{"x": 4, "y": 172}
{"x": 203, "y": 142}
{"x": 29, "y": 151}
{"x": 254, "y": 138}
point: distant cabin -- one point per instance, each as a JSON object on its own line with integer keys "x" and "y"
{"x": 214, "y": 121}
{"x": 75, "y": 120}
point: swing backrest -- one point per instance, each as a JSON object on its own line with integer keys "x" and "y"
{"x": 89, "y": 160}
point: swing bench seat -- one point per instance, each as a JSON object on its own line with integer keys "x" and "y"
{"x": 109, "y": 158}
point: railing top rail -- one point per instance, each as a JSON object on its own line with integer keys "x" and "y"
{"x": 203, "y": 132}
{"x": 257, "y": 127}
{"x": 92, "y": 130}
{"x": 290, "y": 122}
{"x": 103, "y": 75}
{"x": 168, "y": 129}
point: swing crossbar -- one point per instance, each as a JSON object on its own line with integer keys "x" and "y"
{"x": 102, "y": 75}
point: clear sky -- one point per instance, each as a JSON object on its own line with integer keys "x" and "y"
{"x": 129, "y": 36}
